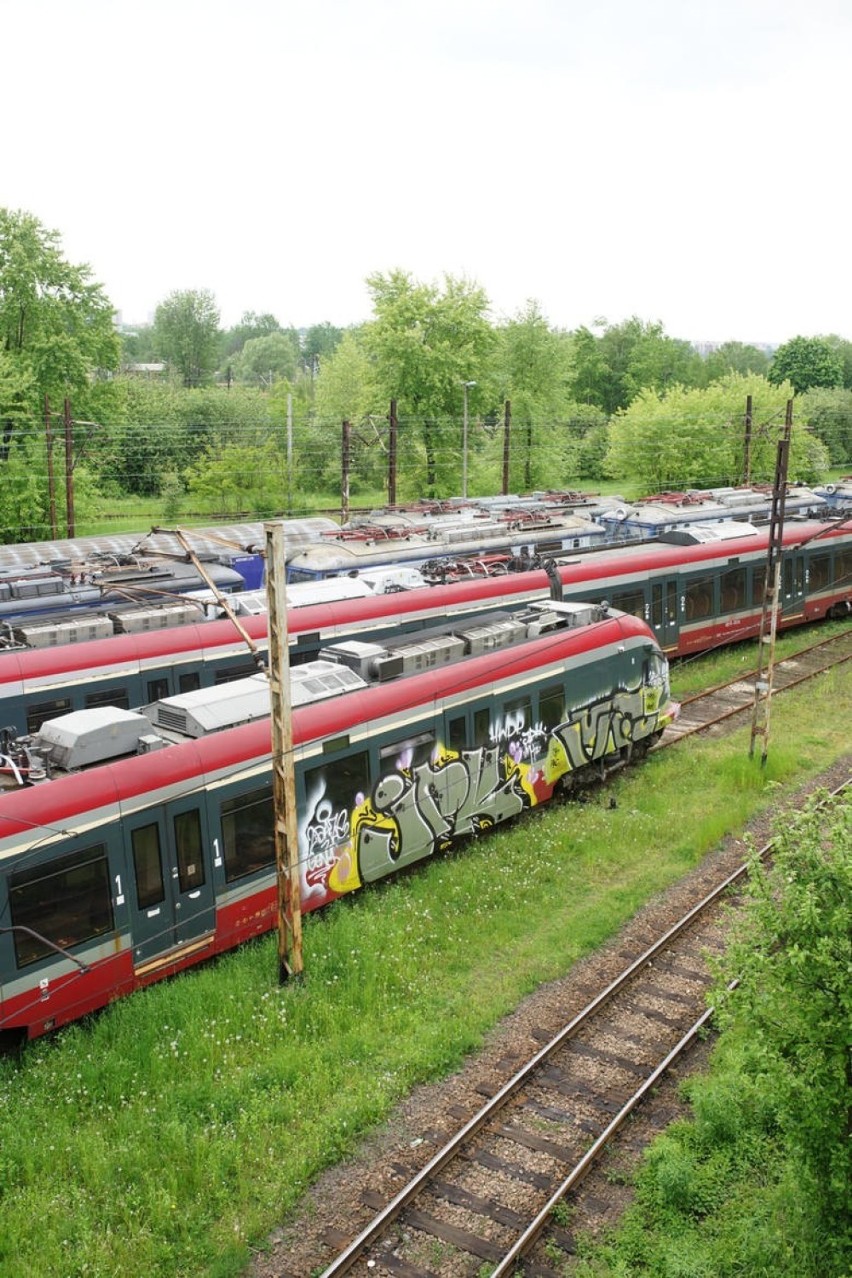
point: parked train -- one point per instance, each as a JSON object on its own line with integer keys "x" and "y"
{"x": 115, "y": 872}
{"x": 695, "y": 596}
{"x": 518, "y": 532}
{"x": 667, "y": 512}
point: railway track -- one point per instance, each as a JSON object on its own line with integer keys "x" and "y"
{"x": 492, "y": 1198}
{"x": 717, "y": 706}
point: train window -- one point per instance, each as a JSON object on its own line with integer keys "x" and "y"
{"x": 733, "y": 589}
{"x": 248, "y": 833}
{"x": 157, "y": 689}
{"x": 147, "y": 866}
{"x": 457, "y": 734}
{"x": 108, "y": 698}
{"x": 699, "y": 598}
{"x": 189, "y": 682}
{"x": 632, "y": 601}
{"x": 333, "y": 790}
{"x": 758, "y": 586}
{"x": 236, "y": 672}
{"x": 190, "y": 856}
{"x": 66, "y": 901}
{"x": 517, "y": 713}
{"x": 551, "y": 707}
{"x": 819, "y": 572}
{"x": 44, "y": 710}
{"x": 408, "y": 753}
{"x": 482, "y": 727}
{"x": 843, "y": 567}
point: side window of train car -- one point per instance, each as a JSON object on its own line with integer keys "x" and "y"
{"x": 190, "y": 857}
{"x": 758, "y": 585}
{"x": 230, "y": 673}
{"x": 66, "y": 901}
{"x": 157, "y": 689}
{"x": 517, "y": 714}
{"x": 733, "y": 589}
{"x": 43, "y": 710}
{"x": 699, "y": 598}
{"x": 843, "y": 568}
{"x": 190, "y": 681}
{"x": 248, "y": 833}
{"x": 819, "y": 572}
{"x": 482, "y": 726}
{"x": 332, "y": 791}
{"x": 551, "y": 707}
{"x": 408, "y": 754}
{"x": 632, "y": 601}
{"x": 147, "y": 866}
{"x": 108, "y": 697}
{"x": 457, "y": 734}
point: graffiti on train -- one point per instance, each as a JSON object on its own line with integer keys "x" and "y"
{"x": 420, "y": 805}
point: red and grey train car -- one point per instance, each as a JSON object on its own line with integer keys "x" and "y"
{"x": 694, "y": 596}
{"x": 117, "y": 872}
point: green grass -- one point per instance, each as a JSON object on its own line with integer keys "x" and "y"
{"x": 176, "y": 1129}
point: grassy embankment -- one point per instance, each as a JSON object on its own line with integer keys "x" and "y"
{"x": 170, "y": 1133}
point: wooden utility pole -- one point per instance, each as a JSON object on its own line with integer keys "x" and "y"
{"x": 747, "y": 443}
{"x": 51, "y": 478}
{"x": 771, "y": 597}
{"x": 345, "y": 465}
{"x": 69, "y": 471}
{"x": 290, "y": 961}
{"x": 394, "y": 427}
{"x": 507, "y": 430}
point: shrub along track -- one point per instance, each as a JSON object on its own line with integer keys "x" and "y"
{"x": 346, "y": 1198}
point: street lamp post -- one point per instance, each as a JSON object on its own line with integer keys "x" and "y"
{"x": 465, "y": 388}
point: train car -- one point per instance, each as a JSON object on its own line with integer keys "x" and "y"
{"x": 116, "y": 872}
{"x": 667, "y": 512}
{"x": 220, "y": 543}
{"x": 838, "y": 495}
{"x": 697, "y": 591}
{"x": 516, "y": 532}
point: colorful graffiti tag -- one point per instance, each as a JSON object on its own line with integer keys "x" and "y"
{"x": 415, "y": 809}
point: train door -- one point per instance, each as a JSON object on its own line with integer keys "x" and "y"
{"x": 664, "y": 617}
{"x": 792, "y": 584}
{"x": 171, "y": 901}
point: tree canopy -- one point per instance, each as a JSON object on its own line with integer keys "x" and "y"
{"x": 695, "y": 438}
{"x": 791, "y": 953}
{"x": 806, "y": 362}
{"x": 186, "y": 328}
{"x": 56, "y": 323}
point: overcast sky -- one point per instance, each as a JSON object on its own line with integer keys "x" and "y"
{"x": 681, "y": 160}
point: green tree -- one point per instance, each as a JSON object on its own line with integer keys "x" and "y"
{"x": 806, "y": 362}
{"x": 735, "y": 357}
{"x": 829, "y": 415}
{"x": 241, "y": 479}
{"x": 250, "y": 326}
{"x": 843, "y": 350}
{"x": 56, "y": 325}
{"x": 321, "y": 341}
{"x": 792, "y": 954}
{"x": 534, "y": 368}
{"x": 694, "y": 438}
{"x": 345, "y": 392}
{"x": 186, "y": 327}
{"x": 264, "y": 360}
{"x": 589, "y": 371}
{"x": 426, "y": 342}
